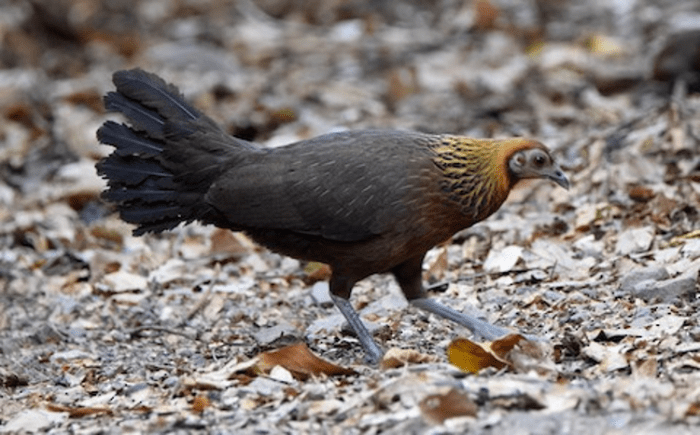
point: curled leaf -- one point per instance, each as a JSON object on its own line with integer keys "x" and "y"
{"x": 440, "y": 407}
{"x": 300, "y": 361}
{"x": 472, "y": 357}
{"x": 394, "y": 358}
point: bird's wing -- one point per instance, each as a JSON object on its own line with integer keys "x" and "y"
{"x": 343, "y": 187}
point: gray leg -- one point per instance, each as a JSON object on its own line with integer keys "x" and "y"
{"x": 374, "y": 353}
{"x": 477, "y": 326}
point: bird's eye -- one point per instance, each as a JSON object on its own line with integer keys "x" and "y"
{"x": 540, "y": 160}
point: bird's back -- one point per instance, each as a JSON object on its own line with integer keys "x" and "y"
{"x": 374, "y": 196}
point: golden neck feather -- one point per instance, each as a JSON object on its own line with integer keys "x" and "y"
{"x": 476, "y": 171}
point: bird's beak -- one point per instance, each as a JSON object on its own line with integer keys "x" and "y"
{"x": 558, "y": 176}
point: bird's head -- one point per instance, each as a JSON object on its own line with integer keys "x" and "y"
{"x": 480, "y": 173}
{"x": 536, "y": 162}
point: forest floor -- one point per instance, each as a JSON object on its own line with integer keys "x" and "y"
{"x": 104, "y": 332}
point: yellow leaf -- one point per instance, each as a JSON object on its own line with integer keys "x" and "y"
{"x": 472, "y": 357}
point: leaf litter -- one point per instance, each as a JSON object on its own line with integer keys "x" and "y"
{"x": 100, "y": 330}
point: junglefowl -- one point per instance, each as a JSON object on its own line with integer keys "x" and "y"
{"x": 363, "y": 202}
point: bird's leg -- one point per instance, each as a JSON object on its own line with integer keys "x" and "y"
{"x": 340, "y": 292}
{"x": 479, "y": 327}
{"x": 408, "y": 274}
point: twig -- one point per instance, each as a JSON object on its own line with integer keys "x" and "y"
{"x": 161, "y": 329}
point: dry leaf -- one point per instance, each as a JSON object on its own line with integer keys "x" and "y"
{"x": 122, "y": 281}
{"x": 646, "y": 369}
{"x": 503, "y": 260}
{"x": 78, "y": 411}
{"x": 472, "y": 357}
{"x": 91, "y": 99}
{"x": 486, "y": 15}
{"x": 678, "y": 240}
{"x": 439, "y": 265}
{"x": 200, "y": 403}
{"x": 402, "y": 82}
{"x": 227, "y": 242}
{"x": 439, "y": 407}
{"x": 610, "y": 358}
{"x": 604, "y": 45}
{"x": 300, "y": 361}
{"x": 317, "y": 272}
{"x": 693, "y": 409}
{"x": 395, "y": 357}
{"x": 640, "y": 193}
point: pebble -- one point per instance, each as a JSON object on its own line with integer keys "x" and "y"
{"x": 589, "y": 246}
{"x": 666, "y": 290}
{"x": 634, "y": 240}
{"x": 691, "y": 248}
{"x": 33, "y": 420}
{"x": 268, "y": 335}
{"x": 503, "y": 260}
{"x": 121, "y": 281}
{"x": 638, "y": 275}
{"x": 67, "y": 355}
{"x": 320, "y": 293}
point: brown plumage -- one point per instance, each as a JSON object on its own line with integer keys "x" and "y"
{"x": 363, "y": 202}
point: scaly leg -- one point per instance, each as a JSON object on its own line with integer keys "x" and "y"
{"x": 477, "y": 326}
{"x": 340, "y": 292}
{"x": 408, "y": 274}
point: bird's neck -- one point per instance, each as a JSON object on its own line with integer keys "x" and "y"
{"x": 475, "y": 173}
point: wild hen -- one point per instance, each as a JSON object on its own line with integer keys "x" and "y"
{"x": 363, "y": 202}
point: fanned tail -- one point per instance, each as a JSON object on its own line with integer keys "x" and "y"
{"x": 165, "y": 162}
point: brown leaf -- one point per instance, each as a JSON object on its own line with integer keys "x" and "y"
{"x": 106, "y": 234}
{"x": 640, "y": 193}
{"x": 394, "y": 358}
{"x": 200, "y": 403}
{"x": 662, "y": 207}
{"x": 283, "y": 115}
{"x": 486, "y": 15}
{"x": 317, "y": 272}
{"x": 503, "y": 346}
{"x": 439, "y": 407}
{"x": 91, "y": 99}
{"x": 226, "y": 242}
{"x": 300, "y": 361}
{"x": 78, "y": 411}
{"x": 438, "y": 267}
{"x": 402, "y": 82}
{"x": 693, "y": 409}
{"x": 646, "y": 368}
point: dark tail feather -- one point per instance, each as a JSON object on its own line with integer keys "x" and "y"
{"x": 126, "y": 141}
{"x": 132, "y": 171}
{"x": 154, "y": 93}
{"x": 163, "y": 166}
{"x": 140, "y": 116}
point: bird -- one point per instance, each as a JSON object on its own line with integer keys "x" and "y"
{"x": 679, "y": 60}
{"x": 363, "y": 202}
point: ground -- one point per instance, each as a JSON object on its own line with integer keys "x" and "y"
{"x": 104, "y": 332}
